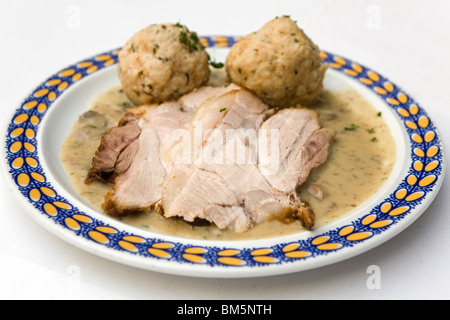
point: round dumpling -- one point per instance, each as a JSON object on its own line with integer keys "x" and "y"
{"x": 279, "y": 63}
{"x": 162, "y": 62}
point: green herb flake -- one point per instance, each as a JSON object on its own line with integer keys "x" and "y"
{"x": 374, "y": 139}
{"x": 188, "y": 38}
{"x": 223, "y": 109}
{"x": 371, "y": 130}
{"x": 125, "y": 104}
{"x": 353, "y": 127}
{"x": 213, "y": 63}
{"x": 216, "y": 65}
{"x": 379, "y": 114}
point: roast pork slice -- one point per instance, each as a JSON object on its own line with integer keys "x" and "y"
{"x": 238, "y": 110}
{"x": 217, "y": 154}
{"x": 132, "y": 155}
{"x": 111, "y": 146}
{"x": 192, "y": 193}
{"x": 137, "y": 188}
{"x": 303, "y": 146}
{"x": 215, "y": 179}
{"x": 198, "y": 186}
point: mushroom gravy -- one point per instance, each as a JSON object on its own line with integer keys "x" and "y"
{"x": 361, "y": 159}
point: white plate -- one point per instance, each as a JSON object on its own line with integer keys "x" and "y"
{"x": 32, "y": 167}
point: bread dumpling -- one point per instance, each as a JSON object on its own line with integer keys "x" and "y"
{"x": 279, "y": 63}
{"x": 162, "y": 62}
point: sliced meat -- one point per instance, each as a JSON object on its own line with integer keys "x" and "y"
{"x": 212, "y": 181}
{"x": 111, "y": 146}
{"x": 133, "y": 155}
{"x": 198, "y": 186}
{"x": 303, "y": 146}
{"x": 236, "y": 110}
{"x": 192, "y": 193}
{"x": 137, "y": 187}
{"x": 202, "y": 158}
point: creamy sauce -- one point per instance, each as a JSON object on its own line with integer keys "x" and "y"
{"x": 361, "y": 159}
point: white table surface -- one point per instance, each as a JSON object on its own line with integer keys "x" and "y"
{"x": 407, "y": 41}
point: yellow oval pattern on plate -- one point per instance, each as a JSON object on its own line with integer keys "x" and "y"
{"x": 412, "y": 125}
{"x": 346, "y": 231}
{"x": 35, "y": 195}
{"x": 424, "y": 122}
{"x": 369, "y": 219}
{"x": 50, "y": 209}
{"x": 98, "y": 237}
{"x": 403, "y": 112}
{"x": 195, "y": 250}
{"x": 72, "y": 223}
{"x": 432, "y": 165}
{"x": 400, "y": 194}
{"x": 127, "y": 245}
{"x": 228, "y": 253}
{"x": 329, "y": 246}
{"x": 231, "y": 261}
{"x": 320, "y": 240}
{"x": 429, "y": 136}
{"x": 31, "y": 162}
{"x": 427, "y": 181}
{"x": 163, "y": 245}
{"x": 358, "y": 236}
{"x": 21, "y": 118}
{"x": 261, "y": 252}
{"x": 67, "y": 73}
{"x": 399, "y": 211}
{"x": 17, "y": 163}
{"x": 30, "y": 105}
{"x": 23, "y": 179}
{"x": 134, "y": 239}
{"x": 194, "y": 258}
{"x": 16, "y": 147}
{"x": 194, "y": 254}
{"x": 48, "y": 192}
{"x": 159, "y": 253}
{"x": 415, "y": 196}
{"x": 77, "y": 77}
{"x": 265, "y": 259}
{"x": 82, "y": 218}
{"x": 291, "y": 247}
{"x": 41, "y": 93}
{"x": 107, "y": 230}
{"x": 17, "y": 132}
{"x": 411, "y": 180}
{"x": 297, "y": 254}
{"x": 380, "y": 224}
{"x": 374, "y": 76}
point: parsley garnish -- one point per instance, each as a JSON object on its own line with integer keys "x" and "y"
{"x": 353, "y": 127}
{"x": 214, "y": 64}
{"x": 223, "y": 109}
{"x": 188, "y": 38}
{"x": 125, "y": 104}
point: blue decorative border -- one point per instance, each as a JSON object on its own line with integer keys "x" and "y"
{"x": 24, "y": 168}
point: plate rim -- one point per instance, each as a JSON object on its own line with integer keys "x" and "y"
{"x": 191, "y": 258}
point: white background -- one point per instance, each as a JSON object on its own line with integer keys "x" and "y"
{"x": 407, "y": 41}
